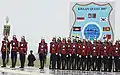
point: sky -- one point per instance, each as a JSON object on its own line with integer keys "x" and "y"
{"x": 35, "y": 19}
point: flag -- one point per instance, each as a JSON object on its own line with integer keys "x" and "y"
{"x": 91, "y": 15}
{"x": 106, "y": 28}
{"x": 76, "y": 28}
{"x": 103, "y": 19}
{"x": 107, "y": 36}
{"x": 75, "y": 35}
{"x": 80, "y": 19}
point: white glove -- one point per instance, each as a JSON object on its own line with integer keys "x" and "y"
{"x": 86, "y": 56}
{"x": 101, "y": 56}
{"x": 97, "y": 56}
{"x": 56, "y": 53}
{"x": 66, "y": 55}
{"x": 70, "y": 54}
{"x": 112, "y": 57}
{"x": 108, "y": 57}
{"x": 59, "y": 54}
{"x": 80, "y": 56}
{"x": 91, "y": 56}
{"x": 119, "y": 57}
{"x": 77, "y": 54}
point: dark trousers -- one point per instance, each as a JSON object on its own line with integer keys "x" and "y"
{"x": 110, "y": 63}
{"x": 22, "y": 60}
{"x": 63, "y": 60}
{"x": 116, "y": 61}
{"x": 73, "y": 61}
{"x": 58, "y": 61}
{"x": 3, "y": 58}
{"x": 94, "y": 62}
{"x": 68, "y": 62}
{"x": 105, "y": 62}
{"x": 50, "y": 62}
{"x": 79, "y": 62}
{"x": 98, "y": 63}
{"x": 13, "y": 58}
{"x": 53, "y": 60}
{"x": 41, "y": 57}
{"x": 83, "y": 62}
{"x": 88, "y": 63}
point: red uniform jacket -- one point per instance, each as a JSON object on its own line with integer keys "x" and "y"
{"x": 116, "y": 50}
{"x": 63, "y": 49}
{"x": 105, "y": 50}
{"x": 23, "y": 47}
{"x": 79, "y": 49}
{"x": 53, "y": 48}
{"x": 69, "y": 48}
{"x": 94, "y": 51}
{"x": 42, "y": 48}
{"x": 89, "y": 48}
{"x": 4, "y": 43}
{"x": 84, "y": 50}
{"x": 111, "y": 50}
{"x": 73, "y": 48}
{"x": 14, "y": 44}
{"x": 58, "y": 47}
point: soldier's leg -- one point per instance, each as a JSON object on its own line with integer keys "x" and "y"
{"x": 99, "y": 63}
{"x": 50, "y": 62}
{"x": 12, "y": 58}
{"x": 78, "y": 63}
{"x": 23, "y": 60}
{"x": 110, "y": 64}
{"x": 42, "y": 61}
{"x": 53, "y": 61}
{"x": 3, "y": 59}
{"x": 116, "y": 63}
{"x": 15, "y": 59}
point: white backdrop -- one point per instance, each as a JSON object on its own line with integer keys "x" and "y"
{"x": 42, "y": 18}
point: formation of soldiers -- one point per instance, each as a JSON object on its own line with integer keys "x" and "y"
{"x": 68, "y": 54}
{"x": 84, "y": 55}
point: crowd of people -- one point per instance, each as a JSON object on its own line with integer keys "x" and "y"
{"x": 67, "y": 54}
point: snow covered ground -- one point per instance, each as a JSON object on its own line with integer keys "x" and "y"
{"x": 36, "y": 71}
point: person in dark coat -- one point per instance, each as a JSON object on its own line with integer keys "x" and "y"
{"x": 31, "y": 58}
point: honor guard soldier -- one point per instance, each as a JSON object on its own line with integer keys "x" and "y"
{"x": 22, "y": 51}
{"x": 53, "y": 52}
{"x": 5, "y": 50}
{"x": 58, "y": 53}
{"x": 14, "y": 50}
{"x": 94, "y": 55}
{"x": 73, "y": 54}
{"x": 100, "y": 47}
{"x": 104, "y": 55}
{"x": 83, "y": 53}
{"x": 110, "y": 54}
{"x": 79, "y": 49}
{"x": 68, "y": 53}
{"x": 42, "y": 50}
{"x": 89, "y": 45}
{"x": 116, "y": 55}
{"x": 63, "y": 53}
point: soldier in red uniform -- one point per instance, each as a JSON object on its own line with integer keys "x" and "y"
{"x": 63, "y": 53}
{"x": 73, "y": 53}
{"x": 99, "y": 62}
{"x": 94, "y": 55}
{"x": 89, "y": 45}
{"x": 110, "y": 54}
{"x": 14, "y": 50}
{"x": 22, "y": 51}
{"x": 79, "y": 49}
{"x": 5, "y": 50}
{"x": 42, "y": 50}
{"x": 84, "y": 54}
{"x": 104, "y": 55}
{"x": 68, "y": 56}
{"x": 116, "y": 55}
{"x": 53, "y": 52}
{"x": 58, "y": 53}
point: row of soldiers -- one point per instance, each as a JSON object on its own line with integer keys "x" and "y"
{"x": 84, "y": 55}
